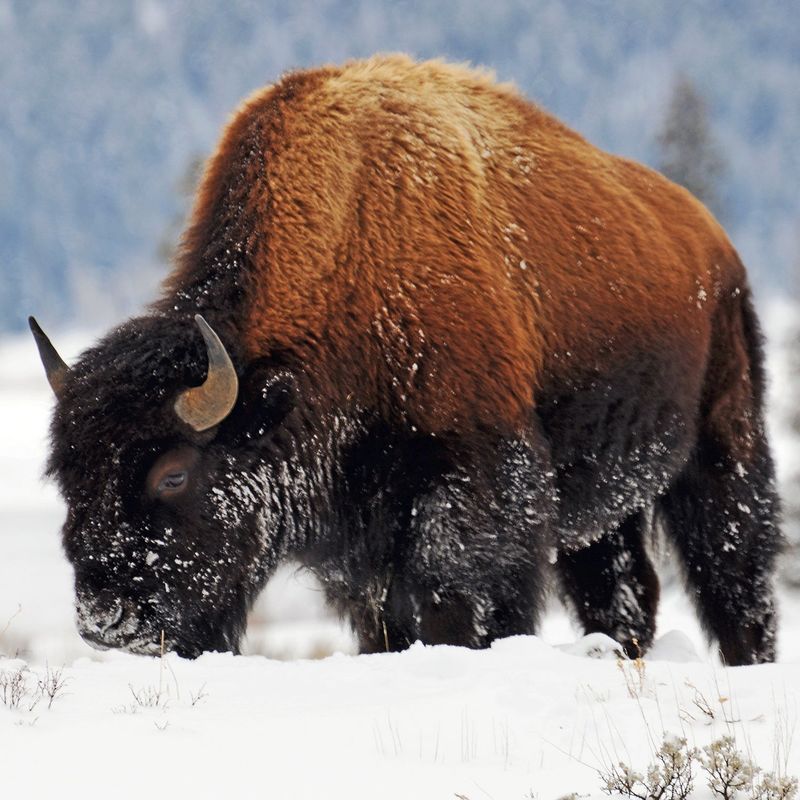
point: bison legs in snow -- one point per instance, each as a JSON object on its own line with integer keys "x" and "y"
{"x": 720, "y": 515}
{"x": 470, "y": 568}
{"x": 613, "y": 586}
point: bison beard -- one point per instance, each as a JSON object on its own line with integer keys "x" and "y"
{"x": 470, "y": 349}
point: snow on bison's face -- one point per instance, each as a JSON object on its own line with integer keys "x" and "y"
{"x": 172, "y": 517}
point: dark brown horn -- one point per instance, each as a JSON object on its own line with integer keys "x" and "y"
{"x": 207, "y": 405}
{"x": 54, "y": 366}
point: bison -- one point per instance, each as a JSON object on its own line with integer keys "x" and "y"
{"x": 431, "y": 343}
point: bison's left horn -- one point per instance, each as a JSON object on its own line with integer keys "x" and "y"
{"x": 207, "y": 405}
{"x": 54, "y": 366}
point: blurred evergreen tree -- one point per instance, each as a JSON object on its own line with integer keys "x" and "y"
{"x": 688, "y": 151}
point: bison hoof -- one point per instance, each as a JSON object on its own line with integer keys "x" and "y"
{"x": 595, "y": 645}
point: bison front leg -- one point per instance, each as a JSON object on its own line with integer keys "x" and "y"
{"x": 612, "y": 585}
{"x": 470, "y": 569}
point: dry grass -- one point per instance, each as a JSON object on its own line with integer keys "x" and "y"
{"x": 727, "y": 772}
{"x": 22, "y": 689}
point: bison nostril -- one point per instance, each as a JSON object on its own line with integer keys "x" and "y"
{"x": 106, "y": 623}
{"x": 114, "y": 620}
{"x": 112, "y": 626}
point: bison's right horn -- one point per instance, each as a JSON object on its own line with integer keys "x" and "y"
{"x": 207, "y": 405}
{"x": 54, "y": 366}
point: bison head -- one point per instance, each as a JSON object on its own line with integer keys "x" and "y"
{"x": 173, "y": 516}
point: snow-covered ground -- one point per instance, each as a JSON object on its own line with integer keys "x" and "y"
{"x": 437, "y": 722}
{"x": 532, "y": 716}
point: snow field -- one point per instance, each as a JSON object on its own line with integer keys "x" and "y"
{"x": 518, "y": 718}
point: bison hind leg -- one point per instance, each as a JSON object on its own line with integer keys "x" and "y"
{"x": 722, "y": 509}
{"x": 612, "y": 586}
{"x": 721, "y": 516}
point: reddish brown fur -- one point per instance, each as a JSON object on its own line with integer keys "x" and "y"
{"x": 431, "y": 243}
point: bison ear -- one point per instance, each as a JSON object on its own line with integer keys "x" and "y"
{"x": 269, "y": 398}
{"x": 279, "y": 397}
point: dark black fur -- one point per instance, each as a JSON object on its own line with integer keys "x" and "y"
{"x": 414, "y": 536}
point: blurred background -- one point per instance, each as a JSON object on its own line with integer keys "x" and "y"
{"x": 108, "y": 109}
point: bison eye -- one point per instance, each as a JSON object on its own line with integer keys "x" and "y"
{"x": 170, "y": 475}
{"x": 172, "y": 481}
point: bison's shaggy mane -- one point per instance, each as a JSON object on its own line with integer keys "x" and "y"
{"x": 431, "y": 243}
